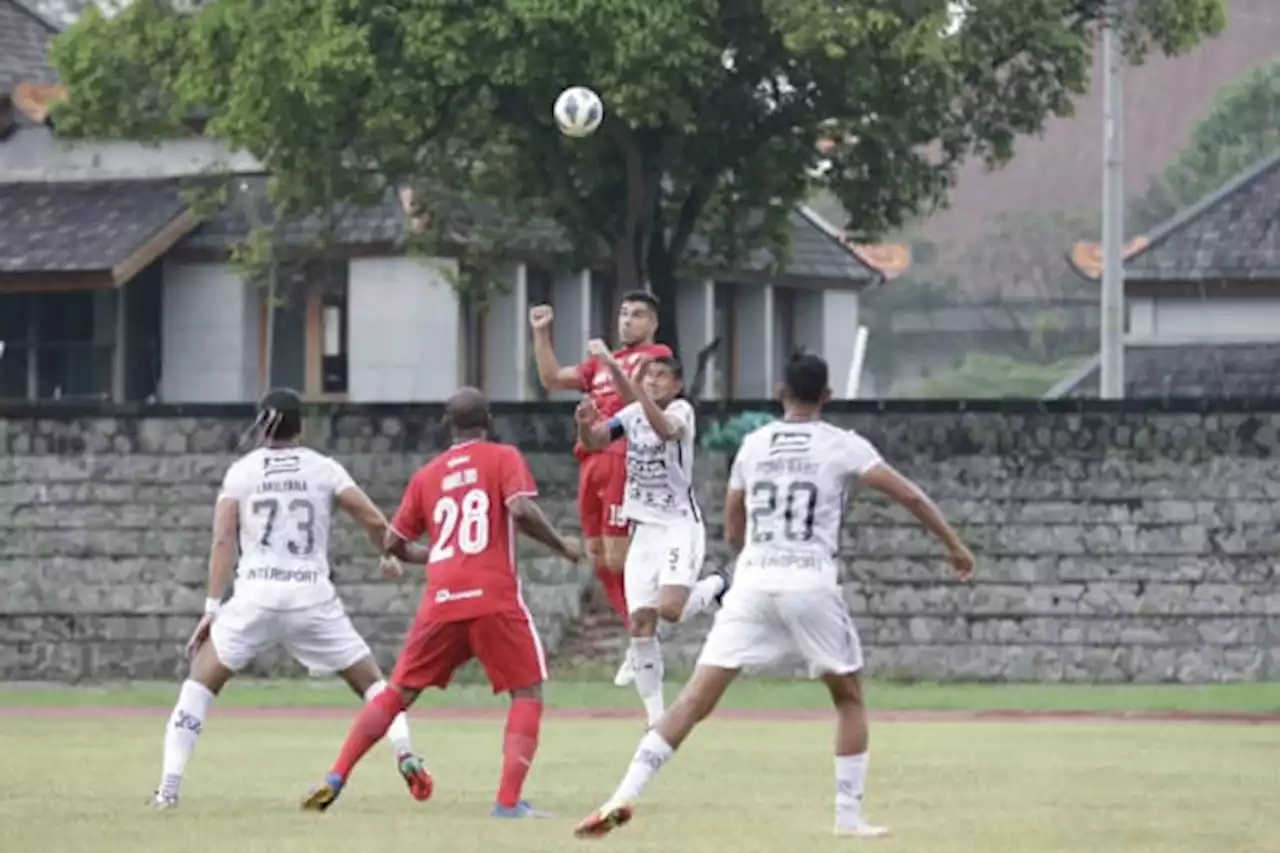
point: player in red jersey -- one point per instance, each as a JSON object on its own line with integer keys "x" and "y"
{"x": 602, "y": 474}
{"x": 468, "y": 502}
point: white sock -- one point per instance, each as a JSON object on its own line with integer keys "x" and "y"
{"x": 702, "y": 597}
{"x": 649, "y": 672}
{"x": 652, "y": 753}
{"x": 851, "y": 777}
{"x": 398, "y": 734}
{"x": 180, "y": 733}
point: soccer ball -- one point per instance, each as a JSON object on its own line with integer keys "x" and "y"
{"x": 578, "y": 111}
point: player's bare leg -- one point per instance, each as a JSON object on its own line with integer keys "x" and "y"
{"x": 519, "y": 746}
{"x": 366, "y": 680}
{"x": 852, "y": 738}
{"x": 698, "y": 699}
{"x": 370, "y": 725}
{"x": 207, "y": 678}
{"x": 609, "y": 554}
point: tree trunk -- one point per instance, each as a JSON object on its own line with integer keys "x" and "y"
{"x": 663, "y": 284}
{"x": 659, "y": 279}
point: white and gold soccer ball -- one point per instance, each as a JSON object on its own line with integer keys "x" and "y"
{"x": 578, "y": 111}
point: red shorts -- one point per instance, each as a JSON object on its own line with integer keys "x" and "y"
{"x": 506, "y": 644}
{"x": 602, "y": 485}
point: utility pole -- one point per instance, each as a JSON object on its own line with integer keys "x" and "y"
{"x": 1112, "y": 327}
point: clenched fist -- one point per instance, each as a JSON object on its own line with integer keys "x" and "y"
{"x": 540, "y": 316}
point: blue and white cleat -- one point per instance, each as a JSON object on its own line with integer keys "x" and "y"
{"x": 521, "y": 809}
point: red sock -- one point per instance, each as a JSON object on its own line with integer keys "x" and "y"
{"x": 371, "y": 724}
{"x": 614, "y": 590}
{"x": 519, "y": 744}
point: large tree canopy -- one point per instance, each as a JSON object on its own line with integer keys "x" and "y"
{"x": 715, "y": 108}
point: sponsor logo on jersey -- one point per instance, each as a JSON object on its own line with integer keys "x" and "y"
{"x": 444, "y": 596}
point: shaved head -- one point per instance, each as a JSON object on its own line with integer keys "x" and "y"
{"x": 467, "y": 410}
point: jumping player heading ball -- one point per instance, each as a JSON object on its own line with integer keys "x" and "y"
{"x": 602, "y": 476}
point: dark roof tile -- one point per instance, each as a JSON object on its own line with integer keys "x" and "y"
{"x": 25, "y": 37}
{"x": 81, "y": 226}
{"x": 1231, "y": 234}
{"x": 1189, "y": 370}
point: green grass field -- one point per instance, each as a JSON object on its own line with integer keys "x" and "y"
{"x": 77, "y": 783}
{"x": 750, "y": 694}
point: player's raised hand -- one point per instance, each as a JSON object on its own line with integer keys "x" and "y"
{"x": 200, "y": 635}
{"x": 540, "y": 316}
{"x": 391, "y": 568}
{"x": 586, "y": 412}
{"x": 597, "y": 348}
{"x": 641, "y": 368}
{"x": 962, "y": 561}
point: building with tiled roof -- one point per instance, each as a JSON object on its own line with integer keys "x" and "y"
{"x": 1202, "y": 294}
{"x": 111, "y": 288}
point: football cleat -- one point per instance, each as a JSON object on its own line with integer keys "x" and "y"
{"x": 415, "y": 775}
{"x": 324, "y": 795}
{"x": 521, "y": 809}
{"x": 861, "y": 830}
{"x": 604, "y": 821}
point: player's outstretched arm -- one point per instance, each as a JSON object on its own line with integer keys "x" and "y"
{"x": 594, "y": 434}
{"x": 599, "y": 350}
{"x": 534, "y": 524}
{"x": 884, "y": 478}
{"x": 552, "y": 376}
{"x": 355, "y": 503}
{"x": 397, "y": 546}
{"x": 735, "y": 519}
{"x": 223, "y": 550}
{"x": 668, "y": 426}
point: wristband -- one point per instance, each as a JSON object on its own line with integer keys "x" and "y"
{"x": 212, "y": 606}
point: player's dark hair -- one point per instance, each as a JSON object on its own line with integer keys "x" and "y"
{"x": 806, "y": 377}
{"x": 642, "y": 296}
{"x": 468, "y": 411}
{"x": 279, "y": 415}
{"x": 670, "y": 362}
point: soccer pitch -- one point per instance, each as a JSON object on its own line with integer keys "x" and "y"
{"x": 76, "y": 779}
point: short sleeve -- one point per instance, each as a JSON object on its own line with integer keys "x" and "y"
{"x": 235, "y": 484}
{"x": 683, "y": 412}
{"x": 410, "y": 522}
{"x": 517, "y": 479}
{"x": 737, "y": 471}
{"x": 338, "y": 477}
{"x": 860, "y": 454}
{"x": 587, "y": 374}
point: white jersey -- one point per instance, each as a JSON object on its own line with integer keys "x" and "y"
{"x": 659, "y": 473}
{"x": 285, "y": 496}
{"x": 796, "y": 477}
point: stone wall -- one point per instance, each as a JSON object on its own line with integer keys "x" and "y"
{"x": 1115, "y": 543}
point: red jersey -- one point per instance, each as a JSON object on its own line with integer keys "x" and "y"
{"x": 459, "y": 501}
{"x": 597, "y": 383}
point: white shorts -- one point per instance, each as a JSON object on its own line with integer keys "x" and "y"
{"x": 756, "y": 629}
{"x": 662, "y": 555}
{"x": 321, "y": 638}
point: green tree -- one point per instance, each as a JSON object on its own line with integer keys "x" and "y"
{"x": 715, "y": 108}
{"x": 986, "y": 375}
{"x": 1240, "y": 129}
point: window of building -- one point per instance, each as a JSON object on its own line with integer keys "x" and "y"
{"x": 58, "y": 345}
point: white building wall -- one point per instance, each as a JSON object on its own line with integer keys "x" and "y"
{"x": 403, "y": 324}
{"x": 209, "y": 349}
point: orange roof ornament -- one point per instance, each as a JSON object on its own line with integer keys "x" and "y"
{"x": 1086, "y": 258}
{"x": 35, "y": 100}
{"x": 890, "y": 259}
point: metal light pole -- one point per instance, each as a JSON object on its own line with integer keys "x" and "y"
{"x": 1112, "y": 357}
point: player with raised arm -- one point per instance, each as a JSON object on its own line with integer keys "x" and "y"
{"x": 276, "y": 505}
{"x": 783, "y": 513}
{"x": 669, "y": 538}
{"x": 468, "y": 502}
{"x": 602, "y": 472}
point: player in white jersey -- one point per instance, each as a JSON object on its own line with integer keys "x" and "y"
{"x": 668, "y": 536}
{"x": 277, "y": 503}
{"x": 783, "y": 514}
